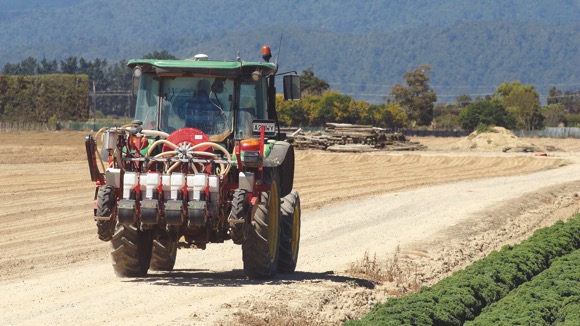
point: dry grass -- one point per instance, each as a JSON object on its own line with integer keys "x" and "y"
{"x": 277, "y": 315}
{"x": 399, "y": 275}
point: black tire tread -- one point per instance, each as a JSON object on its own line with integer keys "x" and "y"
{"x": 163, "y": 252}
{"x": 131, "y": 251}
{"x": 106, "y": 199}
{"x": 238, "y": 231}
{"x": 287, "y": 263}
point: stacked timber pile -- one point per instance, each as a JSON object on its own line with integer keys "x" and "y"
{"x": 352, "y": 138}
{"x": 315, "y": 140}
{"x": 342, "y": 134}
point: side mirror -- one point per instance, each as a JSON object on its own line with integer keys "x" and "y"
{"x": 291, "y": 87}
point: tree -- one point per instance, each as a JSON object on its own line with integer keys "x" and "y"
{"x": 69, "y": 66}
{"x": 463, "y": 100}
{"x": 47, "y": 67}
{"x": 11, "y": 69}
{"x": 523, "y": 101}
{"x": 291, "y": 113}
{"x": 312, "y": 85}
{"x": 446, "y": 116}
{"x": 394, "y": 116}
{"x": 486, "y": 112}
{"x": 163, "y": 55}
{"x": 119, "y": 76}
{"x": 96, "y": 71}
{"x": 332, "y": 108}
{"x": 28, "y": 66}
{"x": 418, "y": 98}
{"x": 386, "y": 115}
{"x": 572, "y": 120}
{"x": 569, "y": 99}
{"x": 554, "y": 114}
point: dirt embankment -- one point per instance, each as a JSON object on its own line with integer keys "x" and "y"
{"x": 423, "y": 214}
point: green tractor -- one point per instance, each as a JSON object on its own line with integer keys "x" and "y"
{"x": 203, "y": 162}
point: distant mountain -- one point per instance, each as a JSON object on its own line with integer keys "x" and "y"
{"x": 361, "y": 48}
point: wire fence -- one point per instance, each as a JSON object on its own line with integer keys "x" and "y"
{"x": 549, "y": 132}
{"x": 23, "y": 126}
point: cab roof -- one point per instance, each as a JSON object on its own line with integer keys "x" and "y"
{"x": 202, "y": 67}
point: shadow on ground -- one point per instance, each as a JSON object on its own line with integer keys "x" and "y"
{"x": 236, "y": 278}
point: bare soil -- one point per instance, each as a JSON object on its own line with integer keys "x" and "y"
{"x": 374, "y": 226}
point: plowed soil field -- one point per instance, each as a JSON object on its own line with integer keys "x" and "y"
{"x": 421, "y": 215}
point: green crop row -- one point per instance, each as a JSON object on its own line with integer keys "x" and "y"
{"x": 462, "y": 296}
{"x": 552, "y": 296}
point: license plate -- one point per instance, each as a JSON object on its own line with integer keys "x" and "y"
{"x": 269, "y": 127}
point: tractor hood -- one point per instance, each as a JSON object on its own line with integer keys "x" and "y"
{"x": 202, "y": 67}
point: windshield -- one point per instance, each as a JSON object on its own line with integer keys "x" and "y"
{"x": 204, "y": 103}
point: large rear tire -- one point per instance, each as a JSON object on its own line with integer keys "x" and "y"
{"x": 261, "y": 248}
{"x": 131, "y": 250}
{"x": 290, "y": 239}
{"x": 106, "y": 199}
{"x": 164, "y": 251}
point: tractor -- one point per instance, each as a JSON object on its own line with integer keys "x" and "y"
{"x": 202, "y": 162}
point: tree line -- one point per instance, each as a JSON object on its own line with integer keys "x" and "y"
{"x": 109, "y": 84}
{"x": 105, "y": 76}
{"x": 409, "y": 105}
{"x": 513, "y": 106}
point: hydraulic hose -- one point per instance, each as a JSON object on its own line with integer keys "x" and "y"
{"x": 192, "y": 151}
{"x": 150, "y": 132}
{"x": 160, "y": 141}
{"x": 97, "y": 136}
{"x": 117, "y": 155}
{"x": 223, "y": 170}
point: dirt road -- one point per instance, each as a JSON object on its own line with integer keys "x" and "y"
{"x": 435, "y": 211}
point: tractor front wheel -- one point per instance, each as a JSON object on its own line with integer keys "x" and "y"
{"x": 106, "y": 199}
{"x": 131, "y": 250}
{"x": 164, "y": 251}
{"x": 237, "y": 219}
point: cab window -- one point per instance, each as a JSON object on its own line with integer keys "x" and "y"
{"x": 253, "y": 105}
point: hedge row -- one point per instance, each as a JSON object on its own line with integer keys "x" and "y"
{"x": 44, "y": 98}
{"x": 462, "y": 296}
{"x": 552, "y": 296}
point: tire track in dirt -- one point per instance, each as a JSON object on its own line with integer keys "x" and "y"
{"x": 324, "y": 178}
{"x": 45, "y": 215}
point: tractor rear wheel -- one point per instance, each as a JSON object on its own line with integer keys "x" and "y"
{"x": 164, "y": 251}
{"x": 260, "y": 250}
{"x": 106, "y": 199}
{"x": 131, "y": 250}
{"x": 290, "y": 240}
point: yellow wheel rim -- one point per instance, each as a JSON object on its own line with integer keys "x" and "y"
{"x": 295, "y": 232}
{"x": 273, "y": 227}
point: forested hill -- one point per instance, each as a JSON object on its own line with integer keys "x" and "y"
{"x": 361, "y": 48}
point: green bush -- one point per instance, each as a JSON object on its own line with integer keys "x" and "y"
{"x": 485, "y": 112}
{"x": 483, "y": 128}
{"x": 462, "y": 296}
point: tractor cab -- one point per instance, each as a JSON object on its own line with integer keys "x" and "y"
{"x": 221, "y": 99}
